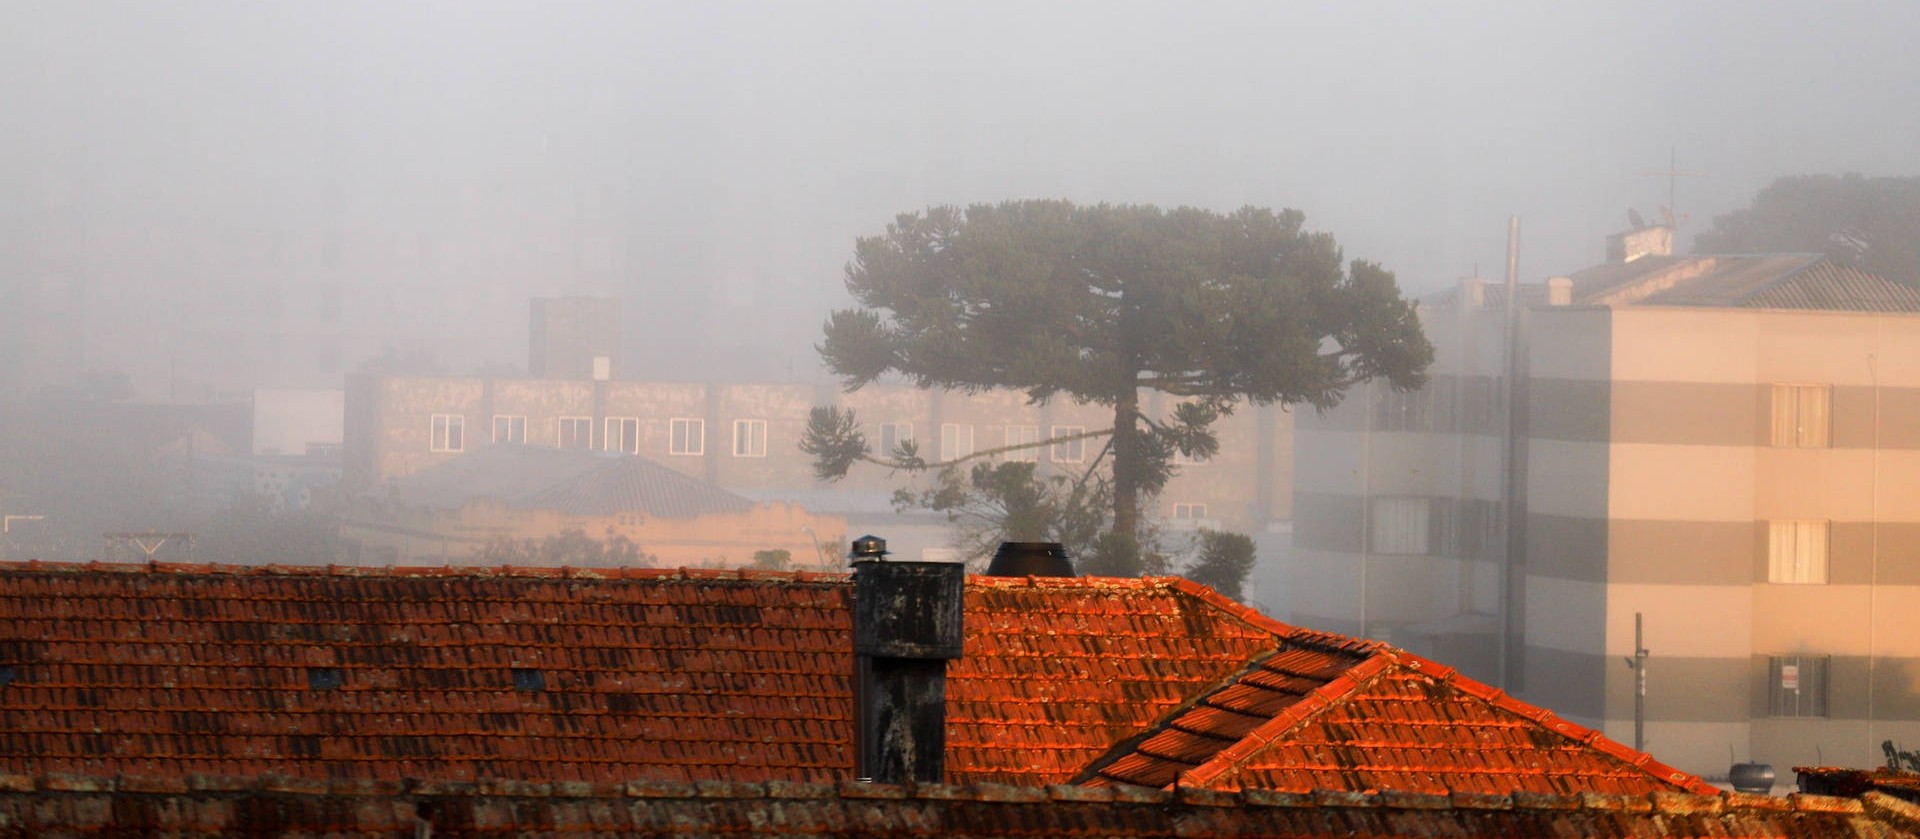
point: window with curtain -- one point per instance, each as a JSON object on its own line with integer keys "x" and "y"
{"x": 1797, "y": 551}
{"x": 1398, "y": 526}
{"x": 1802, "y": 416}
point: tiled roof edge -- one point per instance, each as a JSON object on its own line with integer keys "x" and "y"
{"x": 478, "y": 571}
{"x": 1901, "y": 813}
{"x": 1877, "y": 804}
{"x": 1318, "y": 701}
{"x": 1553, "y": 722}
{"x": 1253, "y": 617}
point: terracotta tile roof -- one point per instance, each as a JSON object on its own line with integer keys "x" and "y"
{"x": 646, "y": 674}
{"x": 78, "y": 806}
{"x": 1315, "y": 715}
{"x": 561, "y": 674}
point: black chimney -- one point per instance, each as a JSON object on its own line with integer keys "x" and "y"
{"x": 1030, "y": 559}
{"x": 906, "y": 627}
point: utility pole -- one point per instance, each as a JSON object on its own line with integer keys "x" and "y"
{"x": 1638, "y": 663}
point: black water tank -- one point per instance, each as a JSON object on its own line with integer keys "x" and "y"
{"x": 1030, "y": 559}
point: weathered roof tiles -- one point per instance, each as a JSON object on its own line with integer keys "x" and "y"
{"x": 616, "y": 675}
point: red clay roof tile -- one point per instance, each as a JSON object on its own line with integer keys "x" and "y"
{"x": 673, "y": 675}
{"x": 691, "y": 675}
{"x": 131, "y": 806}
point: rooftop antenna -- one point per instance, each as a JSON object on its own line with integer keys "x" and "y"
{"x": 1673, "y": 176}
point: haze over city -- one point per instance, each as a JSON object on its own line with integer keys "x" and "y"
{"x": 379, "y": 176}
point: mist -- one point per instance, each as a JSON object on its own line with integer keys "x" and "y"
{"x": 209, "y": 197}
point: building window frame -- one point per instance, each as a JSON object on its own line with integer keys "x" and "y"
{"x": 573, "y": 433}
{"x": 621, "y": 434}
{"x": 749, "y": 438}
{"x": 1799, "y": 551}
{"x": 1399, "y": 525}
{"x": 1189, "y": 510}
{"x": 447, "y": 433}
{"x": 686, "y": 437}
{"x": 1023, "y": 435}
{"x": 510, "y": 428}
{"x": 1802, "y": 416}
{"x": 956, "y": 441}
{"x": 892, "y": 435}
{"x": 1067, "y": 451}
{"x": 1798, "y": 685}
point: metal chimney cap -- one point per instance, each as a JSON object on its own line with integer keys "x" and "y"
{"x": 868, "y": 548}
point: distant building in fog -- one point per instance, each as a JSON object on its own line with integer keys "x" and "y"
{"x": 745, "y": 436}
{"x": 1726, "y": 445}
{"x": 573, "y": 338}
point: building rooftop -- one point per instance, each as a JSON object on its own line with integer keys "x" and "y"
{"x": 617, "y": 675}
{"x": 1762, "y": 281}
{"x": 1752, "y": 281}
{"x": 580, "y": 483}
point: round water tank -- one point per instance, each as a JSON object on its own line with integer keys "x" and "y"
{"x": 1751, "y": 777}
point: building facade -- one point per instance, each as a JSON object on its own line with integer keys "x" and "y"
{"x": 1724, "y": 451}
{"x": 745, "y": 438}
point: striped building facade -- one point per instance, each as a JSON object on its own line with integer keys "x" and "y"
{"x": 1726, "y": 447}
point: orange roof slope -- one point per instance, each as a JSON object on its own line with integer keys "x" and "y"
{"x": 556, "y": 674}
{"x": 1393, "y": 721}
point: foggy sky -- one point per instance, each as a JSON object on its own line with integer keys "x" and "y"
{"x": 276, "y": 190}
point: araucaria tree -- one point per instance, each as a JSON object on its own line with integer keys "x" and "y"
{"x": 1101, "y": 303}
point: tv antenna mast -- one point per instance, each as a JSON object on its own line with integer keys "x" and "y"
{"x": 1673, "y": 176}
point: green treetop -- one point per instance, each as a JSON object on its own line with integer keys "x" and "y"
{"x": 1102, "y": 302}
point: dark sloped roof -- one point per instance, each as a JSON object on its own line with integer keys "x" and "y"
{"x": 1757, "y": 281}
{"x": 614, "y": 675}
{"x": 85, "y": 806}
{"x": 1768, "y": 281}
{"x": 574, "y": 482}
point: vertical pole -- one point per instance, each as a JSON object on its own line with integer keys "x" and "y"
{"x": 1509, "y": 461}
{"x": 1639, "y": 686}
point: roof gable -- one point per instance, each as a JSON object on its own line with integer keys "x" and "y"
{"x": 1308, "y": 718}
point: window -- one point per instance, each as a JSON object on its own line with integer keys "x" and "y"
{"x": 1402, "y": 410}
{"x": 449, "y": 433}
{"x": 893, "y": 435}
{"x": 956, "y": 441}
{"x": 1398, "y": 526}
{"x": 749, "y": 438}
{"x": 688, "y": 437}
{"x": 1189, "y": 511}
{"x": 1023, "y": 435}
{"x": 1797, "y": 552}
{"x": 1797, "y": 685}
{"x": 508, "y": 429}
{"x": 1802, "y": 416}
{"x": 1068, "y": 451}
{"x": 623, "y": 435}
{"x": 576, "y": 432}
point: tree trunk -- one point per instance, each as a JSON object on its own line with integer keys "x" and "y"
{"x": 1126, "y": 465}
